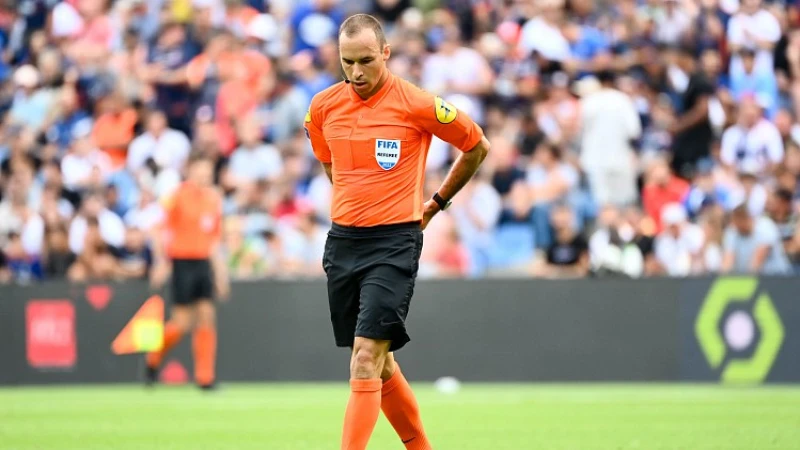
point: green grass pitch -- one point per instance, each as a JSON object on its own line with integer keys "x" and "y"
{"x": 479, "y": 417}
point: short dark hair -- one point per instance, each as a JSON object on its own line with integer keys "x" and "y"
{"x": 357, "y": 22}
{"x": 198, "y": 156}
{"x": 741, "y": 212}
{"x": 784, "y": 194}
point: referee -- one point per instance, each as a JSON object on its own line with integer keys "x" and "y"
{"x": 371, "y": 133}
{"x": 189, "y": 249}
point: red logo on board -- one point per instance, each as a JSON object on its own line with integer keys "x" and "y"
{"x": 50, "y": 334}
{"x": 99, "y": 296}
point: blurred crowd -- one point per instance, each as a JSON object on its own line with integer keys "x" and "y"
{"x": 629, "y": 137}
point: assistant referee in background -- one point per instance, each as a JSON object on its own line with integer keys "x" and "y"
{"x": 189, "y": 248}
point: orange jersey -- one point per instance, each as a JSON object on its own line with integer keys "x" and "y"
{"x": 193, "y": 222}
{"x": 378, "y": 148}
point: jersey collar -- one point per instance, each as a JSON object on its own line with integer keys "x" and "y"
{"x": 373, "y": 101}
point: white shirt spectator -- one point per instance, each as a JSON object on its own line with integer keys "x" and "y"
{"x": 112, "y": 230}
{"x": 609, "y": 121}
{"x": 756, "y": 201}
{"x": 463, "y": 66}
{"x": 77, "y": 168}
{"x": 260, "y": 163}
{"x": 677, "y": 252}
{"x": 538, "y": 35}
{"x": 31, "y": 231}
{"x": 145, "y": 218}
{"x": 300, "y": 247}
{"x": 757, "y": 147}
{"x": 744, "y": 30}
{"x": 171, "y": 149}
{"x": 671, "y": 27}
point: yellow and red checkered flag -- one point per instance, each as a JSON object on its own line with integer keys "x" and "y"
{"x": 144, "y": 332}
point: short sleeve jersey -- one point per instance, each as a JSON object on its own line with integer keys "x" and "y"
{"x": 193, "y": 222}
{"x": 378, "y": 148}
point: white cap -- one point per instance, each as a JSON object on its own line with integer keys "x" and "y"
{"x": 26, "y": 76}
{"x": 673, "y": 214}
{"x": 262, "y": 26}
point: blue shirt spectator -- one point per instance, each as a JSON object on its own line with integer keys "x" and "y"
{"x": 315, "y": 23}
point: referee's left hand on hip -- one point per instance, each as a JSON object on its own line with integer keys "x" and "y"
{"x": 431, "y": 208}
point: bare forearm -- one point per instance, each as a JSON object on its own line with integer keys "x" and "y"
{"x": 695, "y": 116}
{"x": 219, "y": 266}
{"x": 328, "y": 171}
{"x": 463, "y": 169}
{"x": 759, "y": 258}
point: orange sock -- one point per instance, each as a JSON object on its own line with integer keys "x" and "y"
{"x": 401, "y": 409}
{"x": 172, "y": 335}
{"x": 205, "y": 355}
{"x": 362, "y": 413}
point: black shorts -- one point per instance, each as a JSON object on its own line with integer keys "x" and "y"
{"x": 191, "y": 281}
{"x": 371, "y": 273}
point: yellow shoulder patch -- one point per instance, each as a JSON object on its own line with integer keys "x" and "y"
{"x": 445, "y": 112}
{"x": 308, "y": 115}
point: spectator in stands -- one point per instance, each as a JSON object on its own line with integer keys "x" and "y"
{"x": 609, "y": 125}
{"x": 747, "y": 79}
{"x": 678, "y": 247}
{"x": 69, "y": 114}
{"x": 753, "y": 245}
{"x": 166, "y": 147}
{"x": 754, "y": 141}
{"x": 95, "y": 260}
{"x": 691, "y": 131}
{"x": 782, "y": 212}
{"x": 550, "y": 181}
{"x": 612, "y": 249}
{"x": 85, "y": 166}
{"x": 755, "y": 28}
{"x": 568, "y": 254}
{"x": 315, "y": 22}
{"x": 705, "y": 191}
{"x": 110, "y": 228}
{"x": 661, "y": 188}
{"x": 135, "y": 258}
{"x": 21, "y": 221}
{"x": 114, "y": 128}
{"x": 31, "y": 103}
{"x": 303, "y": 244}
{"x": 254, "y": 160}
{"x": 57, "y": 256}
{"x": 514, "y": 240}
{"x": 751, "y": 191}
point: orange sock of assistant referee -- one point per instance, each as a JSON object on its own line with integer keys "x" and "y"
{"x": 172, "y": 335}
{"x": 401, "y": 409}
{"x": 362, "y": 413}
{"x": 205, "y": 355}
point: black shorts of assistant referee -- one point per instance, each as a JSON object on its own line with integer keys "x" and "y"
{"x": 191, "y": 281}
{"x": 371, "y": 274}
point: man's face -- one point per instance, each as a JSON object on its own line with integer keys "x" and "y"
{"x": 749, "y": 62}
{"x": 750, "y": 113}
{"x": 744, "y": 225}
{"x": 363, "y": 61}
{"x": 156, "y": 123}
{"x": 202, "y": 172}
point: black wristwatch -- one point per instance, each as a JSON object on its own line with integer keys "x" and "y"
{"x": 443, "y": 204}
